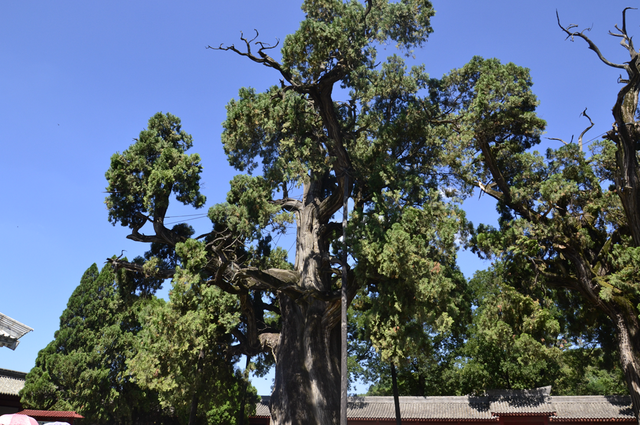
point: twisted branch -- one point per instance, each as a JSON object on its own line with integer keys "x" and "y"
{"x": 262, "y": 58}
{"x": 592, "y": 45}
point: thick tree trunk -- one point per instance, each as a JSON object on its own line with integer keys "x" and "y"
{"x": 628, "y": 334}
{"x": 307, "y": 384}
{"x": 627, "y": 182}
{"x": 624, "y": 317}
{"x": 626, "y": 134}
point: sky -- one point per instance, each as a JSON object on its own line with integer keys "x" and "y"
{"x": 80, "y": 80}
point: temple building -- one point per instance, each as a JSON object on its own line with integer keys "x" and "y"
{"x": 504, "y": 407}
{"x": 11, "y": 382}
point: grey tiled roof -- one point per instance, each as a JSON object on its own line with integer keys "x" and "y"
{"x": 11, "y": 331}
{"x": 420, "y": 408}
{"x": 592, "y": 407}
{"x": 520, "y": 402}
{"x": 488, "y": 407}
{"x": 11, "y": 382}
{"x": 262, "y": 407}
{"x": 476, "y": 408}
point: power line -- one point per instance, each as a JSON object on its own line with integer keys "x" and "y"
{"x": 189, "y": 219}
{"x": 186, "y": 215}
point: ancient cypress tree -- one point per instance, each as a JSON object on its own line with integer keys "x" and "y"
{"x": 570, "y": 217}
{"x": 340, "y": 122}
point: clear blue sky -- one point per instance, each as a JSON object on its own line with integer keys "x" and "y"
{"x": 80, "y": 80}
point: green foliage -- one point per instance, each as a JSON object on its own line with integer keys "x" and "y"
{"x": 182, "y": 354}
{"x": 589, "y": 370}
{"x": 486, "y": 103}
{"x": 428, "y": 367}
{"x": 125, "y": 359}
{"x": 405, "y": 149}
{"x": 248, "y": 209}
{"x": 418, "y": 291}
{"x": 341, "y": 35}
{"x": 284, "y": 126}
{"x": 83, "y": 368}
{"x": 285, "y": 133}
{"x": 413, "y": 300}
{"x": 280, "y": 127}
{"x": 561, "y": 219}
{"x": 142, "y": 178}
{"x": 515, "y": 340}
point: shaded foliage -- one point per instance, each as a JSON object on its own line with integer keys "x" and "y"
{"x": 182, "y": 355}
{"x": 83, "y": 368}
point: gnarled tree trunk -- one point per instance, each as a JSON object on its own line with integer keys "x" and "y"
{"x": 628, "y": 335}
{"x": 625, "y": 320}
{"x": 307, "y": 384}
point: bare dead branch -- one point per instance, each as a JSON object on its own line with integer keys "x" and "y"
{"x": 288, "y": 204}
{"x": 488, "y": 189}
{"x": 558, "y": 139}
{"x": 592, "y": 45}
{"x": 265, "y": 46}
{"x": 276, "y": 280}
{"x": 261, "y": 58}
{"x": 269, "y": 342}
{"x": 250, "y": 41}
{"x": 624, "y": 18}
{"x": 626, "y": 41}
{"x": 584, "y": 113}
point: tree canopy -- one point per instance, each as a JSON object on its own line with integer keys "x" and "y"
{"x": 126, "y": 358}
{"x": 371, "y": 146}
{"x": 515, "y": 337}
{"x": 381, "y": 143}
{"x": 403, "y": 150}
{"x": 568, "y": 218}
{"x": 181, "y": 355}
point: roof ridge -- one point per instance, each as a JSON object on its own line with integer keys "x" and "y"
{"x": 8, "y": 373}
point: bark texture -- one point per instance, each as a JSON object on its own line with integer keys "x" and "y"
{"x": 307, "y": 383}
{"x": 629, "y": 347}
{"x": 307, "y": 371}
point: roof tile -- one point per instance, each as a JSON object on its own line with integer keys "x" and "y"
{"x": 11, "y": 382}
{"x": 51, "y": 413}
{"x": 487, "y": 408}
{"x": 592, "y": 407}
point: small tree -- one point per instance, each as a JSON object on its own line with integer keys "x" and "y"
{"x": 182, "y": 356}
{"x": 83, "y": 368}
{"x": 514, "y": 341}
